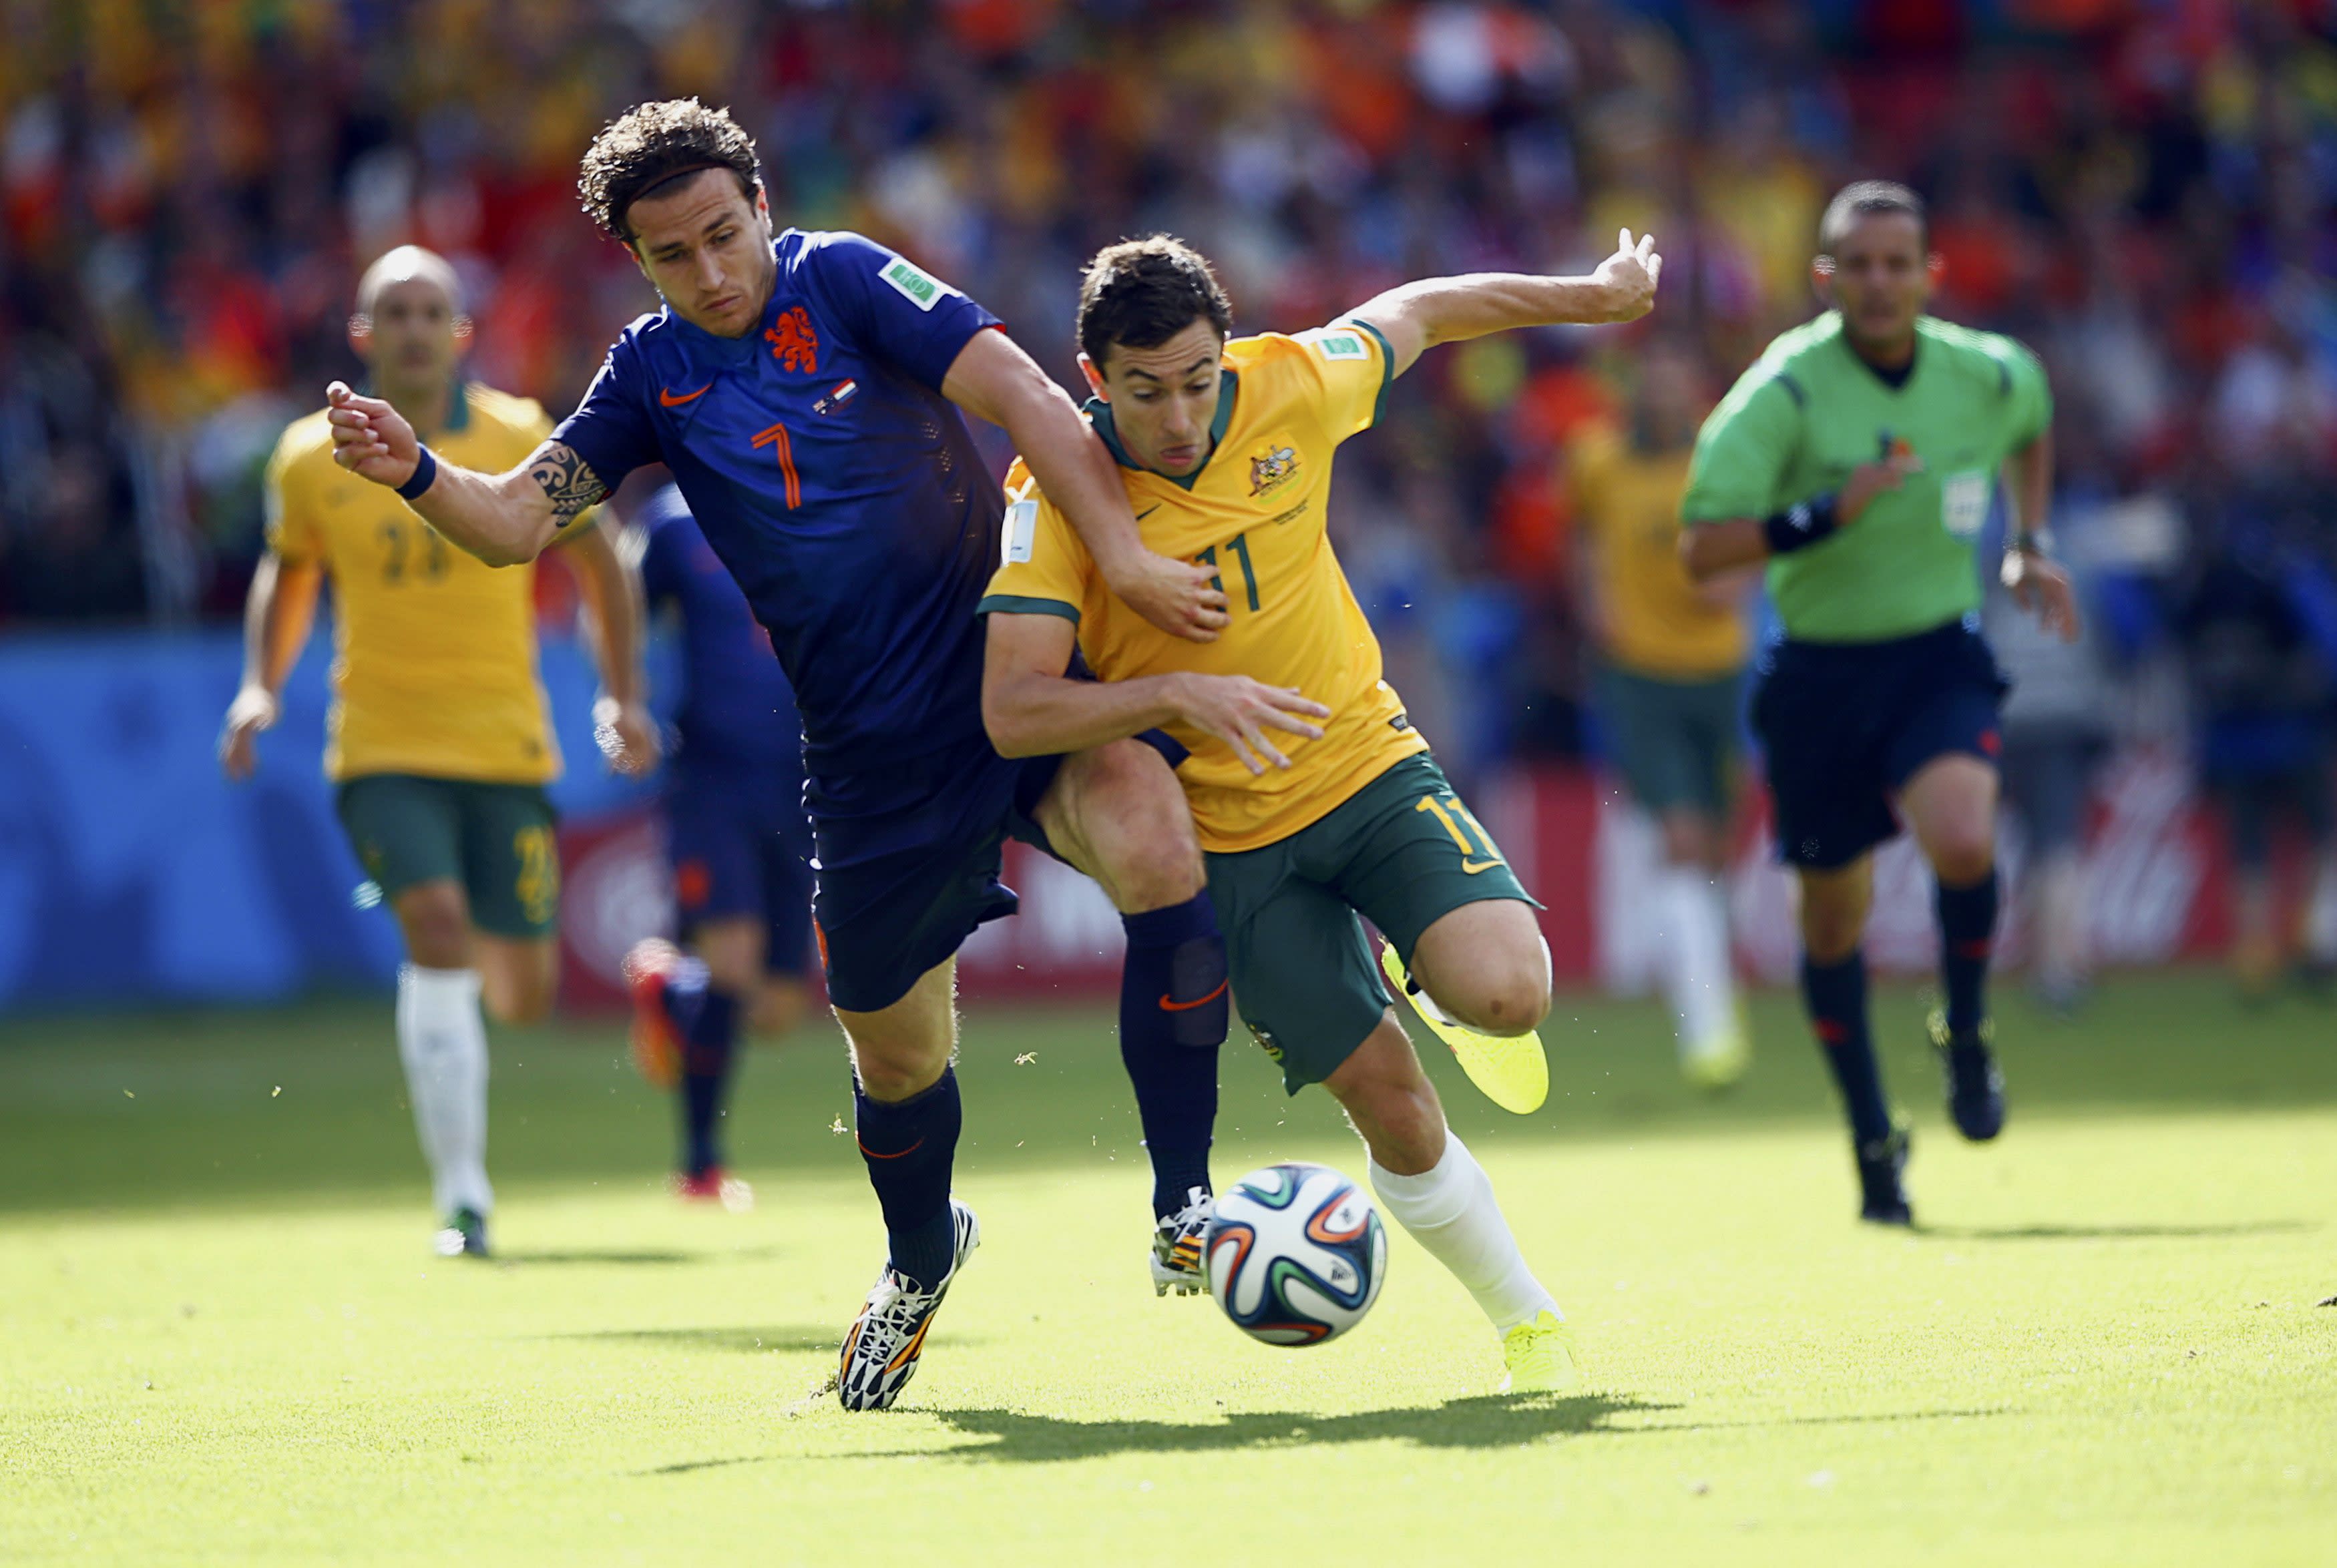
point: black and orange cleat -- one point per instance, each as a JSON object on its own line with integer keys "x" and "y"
{"x": 881, "y": 1351}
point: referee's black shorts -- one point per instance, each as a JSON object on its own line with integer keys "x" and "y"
{"x": 1846, "y": 724}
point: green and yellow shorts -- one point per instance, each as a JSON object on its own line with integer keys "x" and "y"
{"x": 496, "y": 839}
{"x": 1402, "y": 852}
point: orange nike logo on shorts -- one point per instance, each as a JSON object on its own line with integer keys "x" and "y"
{"x": 667, "y": 399}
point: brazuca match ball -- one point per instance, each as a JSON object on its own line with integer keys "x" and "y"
{"x": 1296, "y": 1254}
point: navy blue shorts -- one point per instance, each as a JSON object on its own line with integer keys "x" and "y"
{"x": 1846, "y": 724}
{"x": 740, "y": 845}
{"x": 909, "y": 861}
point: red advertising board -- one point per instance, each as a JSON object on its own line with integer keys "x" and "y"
{"x": 2156, "y": 869}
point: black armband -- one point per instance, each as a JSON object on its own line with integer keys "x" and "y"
{"x": 426, "y": 469}
{"x": 1799, "y": 527}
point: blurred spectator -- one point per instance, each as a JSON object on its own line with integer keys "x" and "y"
{"x": 2144, "y": 193}
{"x": 2056, "y": 729}
{"x": 2255, "y": 616}
{"x": 1669, "y": 683}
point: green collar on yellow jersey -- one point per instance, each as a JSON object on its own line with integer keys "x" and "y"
{"x": 1098, "y": 413}
{"x": 458, "y": 407}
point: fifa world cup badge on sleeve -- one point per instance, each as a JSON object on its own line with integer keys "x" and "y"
{"x": 1021, "y": 527}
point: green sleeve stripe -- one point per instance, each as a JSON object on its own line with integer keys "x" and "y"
{"x": 1016, "y": 604}
{"x": 1387, "y": 366}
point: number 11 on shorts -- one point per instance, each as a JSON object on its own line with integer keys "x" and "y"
{"x": 1475, "y": 856}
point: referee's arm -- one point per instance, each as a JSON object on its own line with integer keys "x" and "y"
{"x": 1711, "y": 549}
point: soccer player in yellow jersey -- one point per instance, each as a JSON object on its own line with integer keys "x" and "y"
{"x": 438, "y": 740}
{"x": 1314, "y": 798}
{"x": 1669, "y": 689}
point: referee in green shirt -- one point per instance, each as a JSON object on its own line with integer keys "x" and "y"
{"x": 1858, "y": 458}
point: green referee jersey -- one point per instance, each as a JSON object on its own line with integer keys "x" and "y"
{"x": 1810, "y": 410}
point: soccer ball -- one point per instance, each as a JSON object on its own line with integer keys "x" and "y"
{"x": 1296, "y": 1254}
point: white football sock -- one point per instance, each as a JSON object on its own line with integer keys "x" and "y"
{"x": 1698, "y": 977}
{"x": 1450, "y": 1209}
{"x": 443, "y": 1041}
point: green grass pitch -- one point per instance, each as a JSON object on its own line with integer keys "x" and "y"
{"x": 226, "y": 1340}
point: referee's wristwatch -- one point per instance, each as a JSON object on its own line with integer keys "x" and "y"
{"x": 2037, "y": 541}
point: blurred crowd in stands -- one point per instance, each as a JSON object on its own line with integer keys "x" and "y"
{"x": 2144, "y": 190}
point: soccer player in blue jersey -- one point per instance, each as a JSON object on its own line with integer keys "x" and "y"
{"x": 806, "y": 389}
{"x": 1858, "y": 458}
{"x": 738, "y": 841}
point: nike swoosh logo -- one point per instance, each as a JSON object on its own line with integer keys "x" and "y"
{"x": 1148, "y": 512}
{"x": 669, "y": 400}
{"x": 1473, "y": 867}
{"x": 1168, "y": 1005}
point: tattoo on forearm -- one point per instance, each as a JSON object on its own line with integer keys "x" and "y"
{"x": 567, "y": 478}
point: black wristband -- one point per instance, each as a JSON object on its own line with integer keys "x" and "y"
{"x": 1800, "y": 527}
{"x": 426, "y": 469}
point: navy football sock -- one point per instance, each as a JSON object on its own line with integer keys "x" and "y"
{"x": 911, "y": 1146}
{"x": 710, "y": 1045}
{"x": 1836, "y": 995}
{"x": 1967, "y": 941}
{"x": 1173, "y": 1014}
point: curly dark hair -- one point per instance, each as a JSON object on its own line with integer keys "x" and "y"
{"x": 1140, "y": 293}
{"x": 651, "y": 143}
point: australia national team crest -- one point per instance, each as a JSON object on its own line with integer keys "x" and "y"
{"x": 1272, "y": 469}
{"x": 794, "y": 342}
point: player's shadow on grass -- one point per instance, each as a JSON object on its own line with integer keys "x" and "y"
{"x": 747, "y": 1341}
{"x": 616, "y": 1258}
{"x": 1490, "y": 1421}
{"x": 2108, "y": 1233}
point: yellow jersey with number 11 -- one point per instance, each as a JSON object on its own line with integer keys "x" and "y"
{"x": 433, "y": 665}
{"x": 1255, "y": 510}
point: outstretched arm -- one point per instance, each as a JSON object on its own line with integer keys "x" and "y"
{"x": 1418, "y": 316}
{"x": 503, "y": 518}
{"x": 1710, "y": 551}
{"x": 613, "y": 617}
{"x": 277, "y": 616}
{"x": 1033, "y": 709}
{"x": 992, "y": 377}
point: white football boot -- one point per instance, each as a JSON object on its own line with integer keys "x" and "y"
{"x": 1176, "y": 1258}
{"x": 880, "y": 1353}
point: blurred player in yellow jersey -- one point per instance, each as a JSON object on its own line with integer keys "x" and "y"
{"x": 1669, "y": 689}
{"x": 1315, "y": 799}
{"x": 439, "y": 743}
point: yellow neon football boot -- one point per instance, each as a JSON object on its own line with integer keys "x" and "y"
{"x": 1541, "y": 1357}
{"x": 1720, "y": 1058}
{"x": 1513, "y": 1072}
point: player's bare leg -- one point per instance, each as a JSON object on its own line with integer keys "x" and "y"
{"x": 1487, "y": 965}
{"x": 1427, "y": 1178}
{"x": 909, "y": 1116}
{"x": 442, "y": 1041}
{"x": 1949, "y": 804}
{"x": 519, "y": 977}
{"x": 1119, "y": 815}
{"x": 1480, "y": 980}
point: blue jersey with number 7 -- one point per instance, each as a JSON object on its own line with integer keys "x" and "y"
{"x": 840, "y": 488}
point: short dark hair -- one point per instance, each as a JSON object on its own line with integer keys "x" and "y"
{"x": 1862, "y": 199}
{"x": 1140, "y": 293}
{"x": 651, "y": 143}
